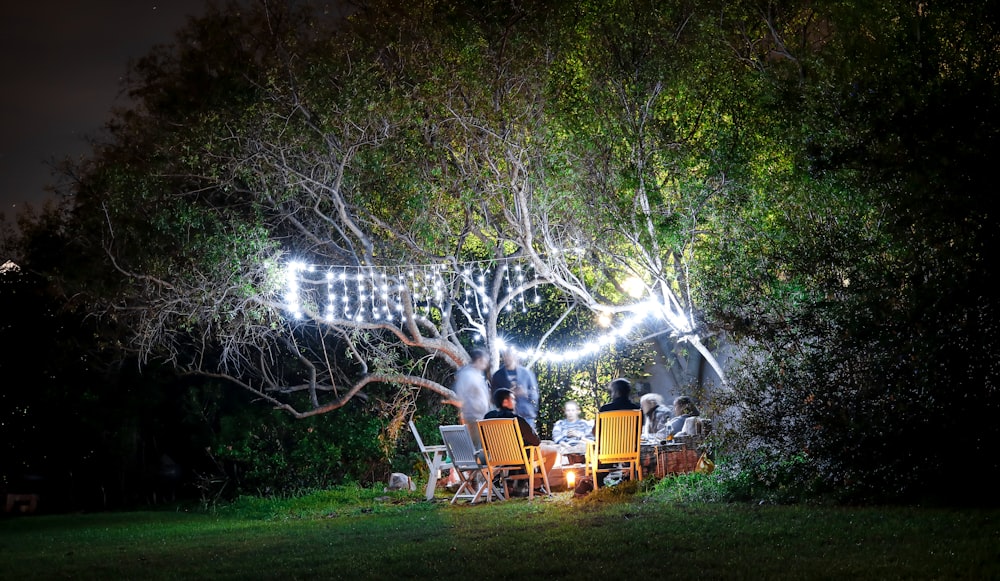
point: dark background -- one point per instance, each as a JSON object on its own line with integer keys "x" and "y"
{"x": 61, "y": 62}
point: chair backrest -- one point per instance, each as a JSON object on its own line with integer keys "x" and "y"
{"x": 416, "y": 436}
{"x": 424, "y": 449}
{"x": 618, "y": 434}
{"x": 502, "y": 442}
{"x": 460, "y": 447}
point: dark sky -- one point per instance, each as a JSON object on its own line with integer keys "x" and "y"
{"x": 60, "y": 66}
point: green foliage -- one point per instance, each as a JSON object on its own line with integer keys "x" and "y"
{"x": 865, "y": 316}
{"x": 268, "y": 453}
{"x": 695, "y": 487}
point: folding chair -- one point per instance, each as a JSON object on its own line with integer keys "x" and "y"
{"x": 505, "y": 451}
{"x": 616, "y": 441}
{"x": 470, "y": 468}
{"x": 434, "y": 456}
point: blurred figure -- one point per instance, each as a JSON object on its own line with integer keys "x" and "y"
{"x": 655, "y": 415}
{"x": 522, "y": 382}
{"x": 621, "y": 390}
{"x": 684, "y": 408}
{"x": 572, "y": 433}
{"x": 473, "y": 393}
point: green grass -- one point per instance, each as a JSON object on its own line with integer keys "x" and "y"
{"x": 353, "y": 533}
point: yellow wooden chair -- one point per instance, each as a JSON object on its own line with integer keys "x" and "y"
{"x": 505, "y": 451}
{"x": 616, "y": 441}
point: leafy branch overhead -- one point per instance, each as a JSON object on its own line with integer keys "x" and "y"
{"x": 397, "y": 136}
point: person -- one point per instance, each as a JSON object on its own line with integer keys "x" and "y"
{"x": 473, "y": 393}
{"x": 572, "y": 433}
{"x": 505, "y": 402}
{"x": 621, "y": 390}
{"x": 520, "y": 380}
{"x": 655, "y": 415}
{"x": 684, "y": 408}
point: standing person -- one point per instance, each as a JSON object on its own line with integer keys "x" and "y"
{"x": 520, "y": 380}
{"x": 473, "y": 393}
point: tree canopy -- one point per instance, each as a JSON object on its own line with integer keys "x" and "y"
{"x": 309, "y": 203}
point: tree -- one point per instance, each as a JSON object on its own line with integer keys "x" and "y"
{"x": 862, "y": 307}
{"x": 388, "y": 147}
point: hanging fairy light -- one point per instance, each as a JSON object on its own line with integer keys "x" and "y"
{"x": 639, "y": 313}
{"x": 292, "y": 288}
{"x": 386, "y": 298}
{"x": 520, "y": 282}
{"x": 509, "y": 288}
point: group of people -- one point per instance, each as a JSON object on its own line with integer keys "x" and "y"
{"x": 513, "y": 393}
{"x": 476, "y": 395}
{"x": 662, "y": 423}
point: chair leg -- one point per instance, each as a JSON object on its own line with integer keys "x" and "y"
{"x": 545, "y": 479}
{"x": 433, "y": 466}
{"x": 482, "y": 487}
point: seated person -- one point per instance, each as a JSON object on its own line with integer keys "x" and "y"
{"x": 655, "y": 415}
{"x": 572, "y": 433}
{"x": 621, "y": 390}
{"x": 505, "y": 401}
{"x": 684, "y": 408}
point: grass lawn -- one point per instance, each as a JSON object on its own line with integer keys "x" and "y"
{"x": 360, "y": 534}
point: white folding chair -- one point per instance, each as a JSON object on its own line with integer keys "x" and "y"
{"x": 470, "y": 468}
{"x": 434, "y": 456}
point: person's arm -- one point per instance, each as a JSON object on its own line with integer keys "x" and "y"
{"x": 532, "y": 387}
{"x": 559, "y": 431}
{"x": 527, "y": 434}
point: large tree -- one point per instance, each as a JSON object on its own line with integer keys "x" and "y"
{"x": 300, "y": 203}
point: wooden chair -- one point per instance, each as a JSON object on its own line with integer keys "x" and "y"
{"x": 616, "y": 441}
{"x": 505, "y": 452}
{"x": 434, "y": 456}
{"x": 471, "y": 469}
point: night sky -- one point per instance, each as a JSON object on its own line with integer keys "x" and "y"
{"x": 61, "y": 62}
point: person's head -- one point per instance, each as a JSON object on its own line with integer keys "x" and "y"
{"x": 620, "y": 388}
{"x": 479, "y": 359}
{"x": 510, "y": 358}
{"x": 572, "y": 410}
{"x": 650, "y": 401}
{"x": 503, "y": 398}
{"x": 685, "y": 405}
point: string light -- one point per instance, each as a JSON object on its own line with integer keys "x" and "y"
{"x": 640, "y": 312}
{"x": 380, "y": 295}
